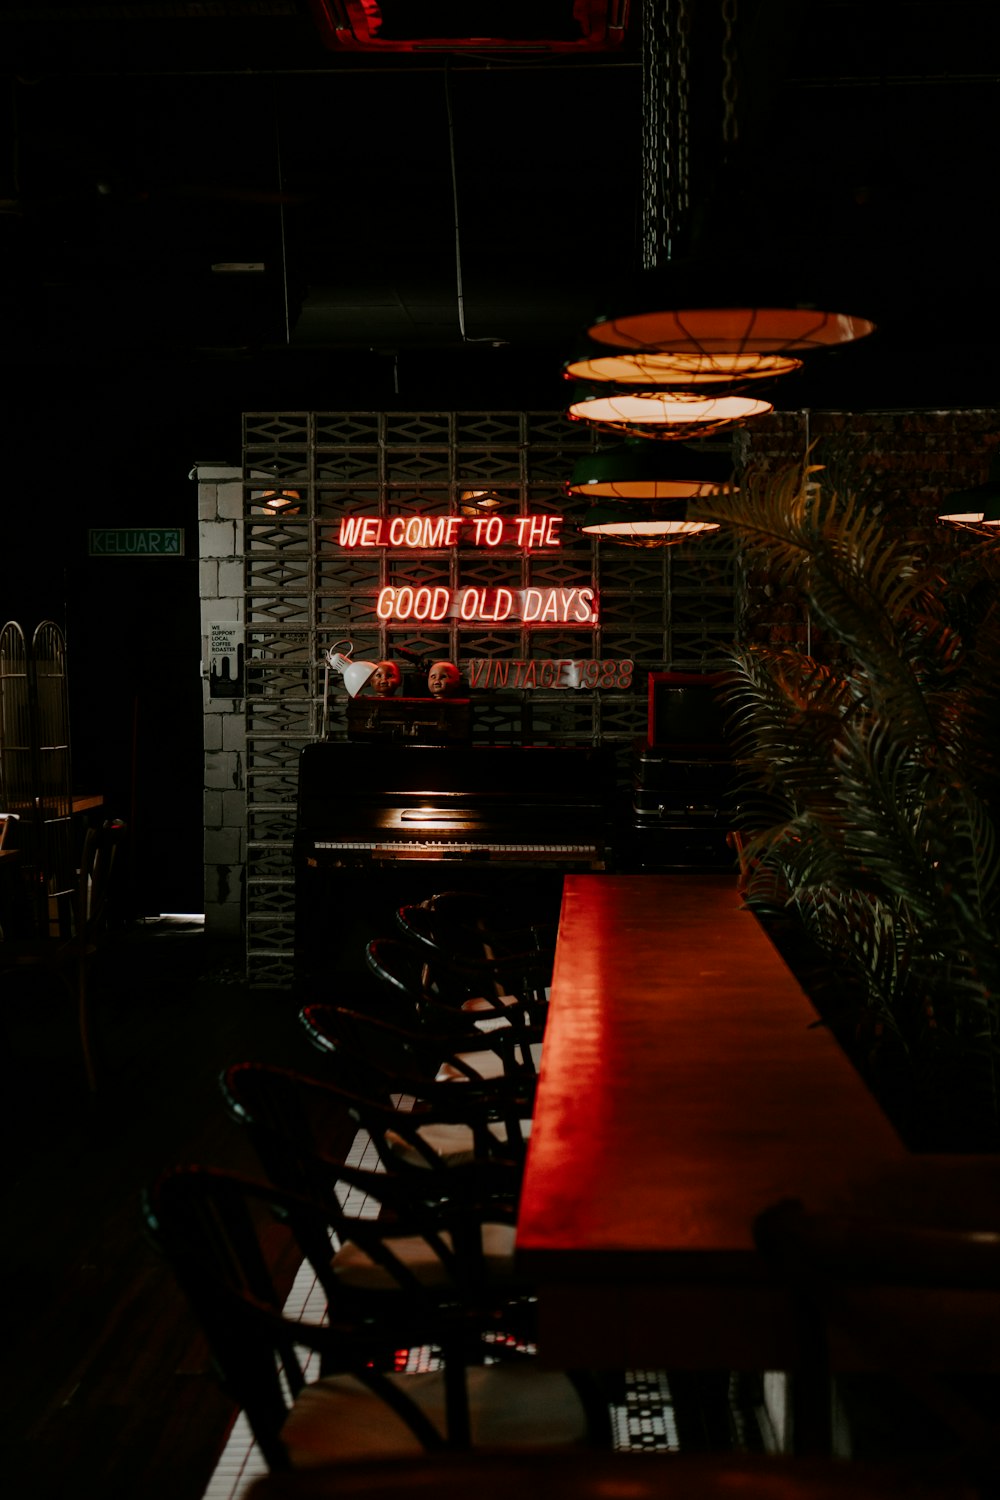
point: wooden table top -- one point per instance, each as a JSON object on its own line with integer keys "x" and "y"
{"x": 684, "y": 1087}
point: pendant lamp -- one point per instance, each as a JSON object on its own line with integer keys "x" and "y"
{"x": 724, "y": 342}
{"x": 642, "y": 470}
{"x": 725, "y": 321}
{"x": 646, "y": 368}
{"x": 668, "y": 414}
{"x": 977, "y": 509}
{"x": 658, "y": 524}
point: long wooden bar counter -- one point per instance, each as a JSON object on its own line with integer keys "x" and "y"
{"x": 685, "y": 1086}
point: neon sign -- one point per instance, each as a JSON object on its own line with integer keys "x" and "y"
{"x": 547, "y": 672}
{"x": 431, "y": 533}
{"x": 534, "y": 606}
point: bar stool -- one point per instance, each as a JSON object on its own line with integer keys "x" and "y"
{"x": 445, "y": 1122}
{"x": 497, "y": 961}
{"x": 216, "y": 1230}
{"x": 447, "y": 998}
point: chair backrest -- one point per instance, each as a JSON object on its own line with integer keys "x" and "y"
{"x": 501, "y": 919}
{"x": 492, "y": 962}
{"x": 297, "y": 1125}
{"x": 409, "y": 976}
{"x": 208, "y": 1225}
{"x": 374, "y": 1055}
{"x": 98, "y": 876}
{"x": 484, "y": 1107}
{"x": 218, "y": 1232}
{"x": 298, "y": 1128}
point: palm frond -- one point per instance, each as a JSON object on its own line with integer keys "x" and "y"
{"x": 869, "y": 772}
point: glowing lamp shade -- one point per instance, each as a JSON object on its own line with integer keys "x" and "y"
{"x": 661, "y": 413}
{"x": 354, "y": 673}
{"x": 724, "y": 338}
{"x": 643, "y": 368}
{"x": 640, "y": 470}
{"x": 661, "y": 525}
{"x": 977, "y": 509}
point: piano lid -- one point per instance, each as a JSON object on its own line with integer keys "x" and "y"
{"x": 352, "y": 782}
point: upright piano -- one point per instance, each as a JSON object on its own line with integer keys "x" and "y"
{"x": 380, "y": 823}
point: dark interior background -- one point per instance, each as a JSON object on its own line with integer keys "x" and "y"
{"x": 143, "y": 144}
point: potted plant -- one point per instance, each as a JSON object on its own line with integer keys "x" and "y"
{"x": 868, "y": 761}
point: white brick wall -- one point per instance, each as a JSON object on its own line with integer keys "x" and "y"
{"x": 220, "y": 535}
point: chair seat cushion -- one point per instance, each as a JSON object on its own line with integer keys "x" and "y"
{"x": 339, "y": 1419}
{"x": 356, "y": 1269}
{"x": 486, "y": 1064}
{"x": 454, "y": 1143}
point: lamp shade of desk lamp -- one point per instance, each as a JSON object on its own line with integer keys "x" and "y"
{"x": 354, "y": 673}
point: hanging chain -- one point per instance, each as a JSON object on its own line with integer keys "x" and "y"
{"x": 665, "y": 128}
{"x": 730, "y": 88}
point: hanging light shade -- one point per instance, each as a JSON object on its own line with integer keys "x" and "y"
{"x": 977, "y": 509}
{"x": 651, "y": 368}
{"x": 727, "y": 319}
{"x": 640, "y": 470}
{"x": 652, "y": 525}
{"x": 661, "y": 413}
{"x": 727, "y": 339}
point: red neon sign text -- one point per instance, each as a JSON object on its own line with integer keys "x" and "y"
{"x": 432, "y": 533}
{"x": 548, "y": 672}
{"x": 549, "y": 606}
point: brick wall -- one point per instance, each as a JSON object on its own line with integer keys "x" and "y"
{"x": 908, "y": 461}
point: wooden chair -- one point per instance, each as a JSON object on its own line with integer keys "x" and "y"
{"x": 448, "y": 998}
{"x": 503, "y": 922}
{"x": 888, "y": 1294}
{"x": 444, "y": 1237}
{"x": 502, "y": 971}
{"x": 67, "y": 958}
{"x": 428, "y": 1126}
{"x": 361, "y": 1045}
{"x": 215, "y": 1229}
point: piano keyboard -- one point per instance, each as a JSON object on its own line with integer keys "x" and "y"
{"x": 455, "y": 849}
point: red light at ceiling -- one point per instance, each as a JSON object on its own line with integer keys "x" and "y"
{"x": 471, "y": 25}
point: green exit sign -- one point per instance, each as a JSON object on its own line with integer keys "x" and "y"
{"x": 136, "y": 541}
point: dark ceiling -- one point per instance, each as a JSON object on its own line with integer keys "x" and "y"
{"x": 439, "y": 220}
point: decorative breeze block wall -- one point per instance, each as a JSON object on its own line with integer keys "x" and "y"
{"x": 302, "y": 593}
